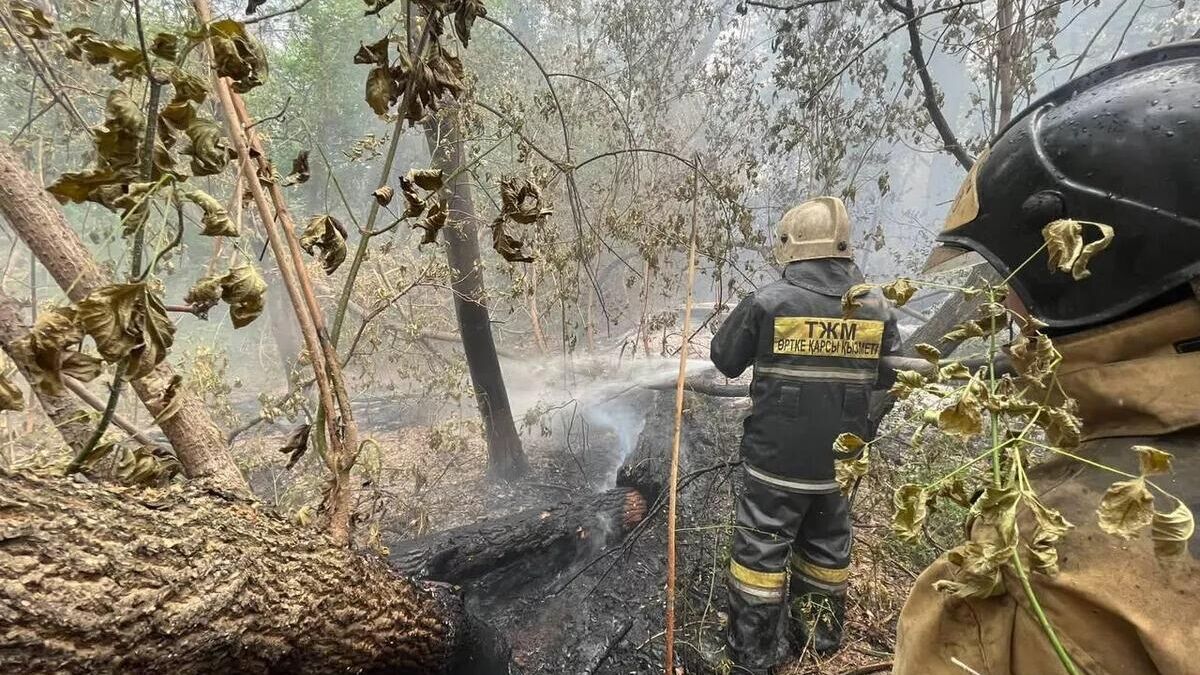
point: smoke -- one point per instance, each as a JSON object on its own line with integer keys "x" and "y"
{"x": 625, "y": 421}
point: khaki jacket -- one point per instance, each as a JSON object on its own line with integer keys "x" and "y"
{"x": 1117, "y": 608}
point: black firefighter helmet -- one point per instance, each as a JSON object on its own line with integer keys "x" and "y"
{"x": 1120, "y": 146}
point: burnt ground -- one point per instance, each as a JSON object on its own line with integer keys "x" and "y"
{"x": 603, "y": 613}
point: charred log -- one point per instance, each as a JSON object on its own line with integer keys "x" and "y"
{"x": 555, "y": 536}
{"x": 184, "y": 580}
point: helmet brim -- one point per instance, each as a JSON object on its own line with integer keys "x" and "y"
{"x": 947, "y": 257}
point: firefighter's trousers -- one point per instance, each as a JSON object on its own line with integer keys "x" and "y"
{"x": 786, "y": 543}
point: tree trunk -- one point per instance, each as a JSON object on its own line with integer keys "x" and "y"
{"x": 180, "y": 580}
{"x": 506, "y": 457}
{"x": 39, "y": 221}
{"x": 556, "y": 536}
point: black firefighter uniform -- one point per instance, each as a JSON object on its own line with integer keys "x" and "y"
{"x": 813, "y": 376}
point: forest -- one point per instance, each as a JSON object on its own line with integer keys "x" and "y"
{"x": 374, "y": 336}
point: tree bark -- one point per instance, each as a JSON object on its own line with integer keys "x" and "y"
{"x": 556, "y": 536}
{"x": 506, "y": 457}
{"x": 115, "y": 580}
{"x": 39, "y": 221}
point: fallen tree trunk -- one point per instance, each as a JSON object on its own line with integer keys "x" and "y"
{"x": 39, "y": 221}
{"x": 103, "y": 579}
{"x": 556, "y": 536}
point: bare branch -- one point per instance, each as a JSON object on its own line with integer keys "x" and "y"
{"x": 913, "y": 23}
{"x": 787, "y": 8}
{"x": 295, "y": 8}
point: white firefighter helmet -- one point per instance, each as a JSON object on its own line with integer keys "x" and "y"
{"x": 817, "y": 228}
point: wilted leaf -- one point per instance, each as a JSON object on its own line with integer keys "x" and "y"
{"x": 906, "y": 382}
{"x": 1062, "y": 427}
{"x": 216, "y": 220}
{"x": 507, "y": 246}
{"x": 126, "y": 60}
{"x": 253, "y": 5}
{"x": 204, "y": 295}
{"x": 300, "y": 172}
{"x": 1152, "y": 460}
{"x": 383, "y": 196}
{"x": 209, "y": 151}
{"x": 376, "y": 54}
{"x": 170, "y": 400}
{"x": 1126, "y": 507}
{"x": 954, "y": 370}
{"x": 376, "y": 6}
{"x": 380, "y": 91}
{"x": 521, "y": 201}
{"x": 127, "y": 321}
{"x": 297, "y": 444}
{"x": 848, "y": 444}
{"x": 979, "y": 571}
{"x": 243, "y": 289}
{"x": 899, "y": 291}
{"x": 1171, "y": 531}
{"x": 464, "y": 18}
{"x": 165, "y": 46}
{"x": 188, "y": 87}
{"x": 237, "y": 55}
{"x": 46, "y": 351}
{"x": 31, "y": 22}
{"x": 963, "y": 417}
{"x": 848, "y": 471}
{"x": 850, "y": 301}
{"x": 326, "y": 233}
{"x": 10, "y": 396}
{"x": 929, "y": 353}
{"x": 1051, "y": 527}
{"x": 1034, "y": 358}
{"x": 910, "y": 510}
{"x": 117, "y": 141}
{"x": 434, "y": 220}
{"x": 427, "y": 179}
{"x": 1067, "y": 252}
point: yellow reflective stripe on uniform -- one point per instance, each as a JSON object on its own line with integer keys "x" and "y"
{"x": 827, "y": 337}
{"x": 763, "y": 580}
{"x": 807, "y": 373}
{"x": 829, "y": 575}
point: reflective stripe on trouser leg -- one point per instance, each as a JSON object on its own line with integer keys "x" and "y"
{"x": 766, "y": 523}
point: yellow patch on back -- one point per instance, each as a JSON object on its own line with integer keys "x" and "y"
{"x": 822, "y": 336}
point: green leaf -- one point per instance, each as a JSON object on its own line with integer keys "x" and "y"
{"x": 326, "y": 233}
{"x": 910, "y": 510}
{"x": 244, "y": 290}
{"x": 899, "y": 291}
{"x": 1171, "y": 531}
{"x": 1152, "y": 460}
{"x": 1126, "y": 507}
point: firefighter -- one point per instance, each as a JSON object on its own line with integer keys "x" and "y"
{"x": 813, "y": 375}
{"x": 1118, "y": 146}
